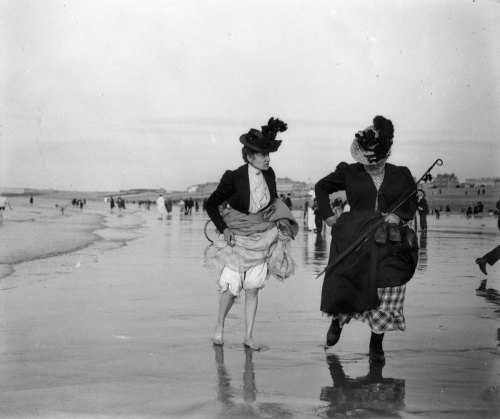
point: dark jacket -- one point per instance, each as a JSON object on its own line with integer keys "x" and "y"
{"x": 351, "y": 286}
{"x": 361, "y": 192}
{"x": 234, "y": 187}
{"x": 423, "y": 207}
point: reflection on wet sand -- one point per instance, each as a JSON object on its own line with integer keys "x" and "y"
{"x": 422, "y": 252}
{"x": 228, "y": 396}
{"x": 315, "y": 251}
{"x": 320, "y": 248}
{"x": 493, "y": 296}
{"x": 371, "y": 395}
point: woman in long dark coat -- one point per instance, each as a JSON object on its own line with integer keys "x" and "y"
{"x": 369, "y": 284}
{"x": 251, "y": 245}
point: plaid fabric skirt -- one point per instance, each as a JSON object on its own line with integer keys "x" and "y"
{"x": 387, "y": 316}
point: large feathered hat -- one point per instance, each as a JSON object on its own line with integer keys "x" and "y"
{"x": 264, "y": 141}
{"x": 374, "y": 143}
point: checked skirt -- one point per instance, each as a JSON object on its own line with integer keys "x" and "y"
{"x": 387, "y": 316}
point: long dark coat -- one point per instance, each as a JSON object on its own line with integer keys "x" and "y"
{"x": 234, "y": 187}
{"x": 351, "y": 286}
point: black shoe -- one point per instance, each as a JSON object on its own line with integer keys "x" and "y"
{"x": 394, "y": 232}
{"x": 482, "y": 265}
{"x": 381, "y": 234}
{"x": 333, "y": 334}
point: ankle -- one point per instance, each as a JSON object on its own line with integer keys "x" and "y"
{"x": 376, "y": 340}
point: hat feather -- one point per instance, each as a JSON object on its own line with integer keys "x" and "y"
{"x": 274, "y": 125}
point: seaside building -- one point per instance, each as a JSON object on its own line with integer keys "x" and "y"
{"x": 446, "y": 181}
{"x": 487, "y": 182}
{"x": 12, "y": 191}
{"x": 287, "y": 185}
{"x": 283, "y": 185}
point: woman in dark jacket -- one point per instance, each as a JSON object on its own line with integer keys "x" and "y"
{"x": 249, "y": 237}
{"x": 369, "y": 284}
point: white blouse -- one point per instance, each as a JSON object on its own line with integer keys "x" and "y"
{"x": 259, "y": 192}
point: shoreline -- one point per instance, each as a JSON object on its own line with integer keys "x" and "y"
{"x": 41, "y": 233}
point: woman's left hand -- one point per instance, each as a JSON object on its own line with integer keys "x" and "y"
{"x": 391, "y": 218}
{"x": 229, "y": 236}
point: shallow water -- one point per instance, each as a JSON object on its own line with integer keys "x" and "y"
{"x": 122, "y": 326}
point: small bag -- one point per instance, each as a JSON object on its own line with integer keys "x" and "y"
{"x": 408, "y": 244}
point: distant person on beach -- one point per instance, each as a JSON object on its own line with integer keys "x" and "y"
{"x": 288, "y": 202}
{"x": 168, "y": 205}
{"x": 437, "y": 213}
{"x": 31, "y": 200}
{"x": 306, "y": 204}
{"x": 318, "y": 221}
{"x": 3, "y": 204}
{"x": 498, "y": 213}
{"x": 160, "y": 206}
{"x": 493, "y": 256}
{"x": 423, "y": 209}
{"x": 61, "y": 208}
{"x": 120, "y": 203}
{"x": 251, "y": 247}
{"x": 111, "y": 205}
{"x": 310, "y": 211}
{"x": 370, "y": 283}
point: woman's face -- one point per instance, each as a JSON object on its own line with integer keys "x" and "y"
{"x": 259, "y": 160}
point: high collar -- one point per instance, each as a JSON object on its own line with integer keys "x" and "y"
{"x": 253, "y": 170}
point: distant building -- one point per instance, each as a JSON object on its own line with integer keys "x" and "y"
{"x": 488, "y": 182}
{"x": 11, "y": 191}
{"x": 446, "y": 181}
{"x": 283, "y": 185}
{"x": 287, "y": 185}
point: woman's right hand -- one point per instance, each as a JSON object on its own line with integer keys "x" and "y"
{"x": 229, "y": 236}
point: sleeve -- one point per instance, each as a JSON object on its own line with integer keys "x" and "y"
{"x": 275, "y": 186}
{"x": 406, "y": 211}
{"x": 222, "y": 193}
{"x": 331, "y": 183}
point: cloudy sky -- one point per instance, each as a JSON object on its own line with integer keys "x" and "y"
{"x": 117, "y": 94}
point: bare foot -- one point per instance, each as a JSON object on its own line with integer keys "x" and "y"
{"x": 249, "y": 343}
{"x": 218, "y": 338}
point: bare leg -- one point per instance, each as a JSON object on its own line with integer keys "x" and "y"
{"x": 225, "y": 303}
{"x": 251, "y": 303}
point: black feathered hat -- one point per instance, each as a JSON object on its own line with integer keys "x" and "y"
{"x": 264, "y": 141}
{"x": 374, "y": 143}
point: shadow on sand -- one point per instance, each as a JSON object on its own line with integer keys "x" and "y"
{"x": 241, "y": 402}
{"x": 367, "y": 396}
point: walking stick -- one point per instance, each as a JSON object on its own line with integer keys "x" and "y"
{"x": 371, "y": 229}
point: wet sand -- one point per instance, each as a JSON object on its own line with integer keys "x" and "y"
{"x": 122, "y": 327}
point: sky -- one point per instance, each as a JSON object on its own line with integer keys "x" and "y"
{"x": 101, "y": 95}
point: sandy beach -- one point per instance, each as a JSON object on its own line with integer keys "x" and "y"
{"x": 112, "y": 316}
